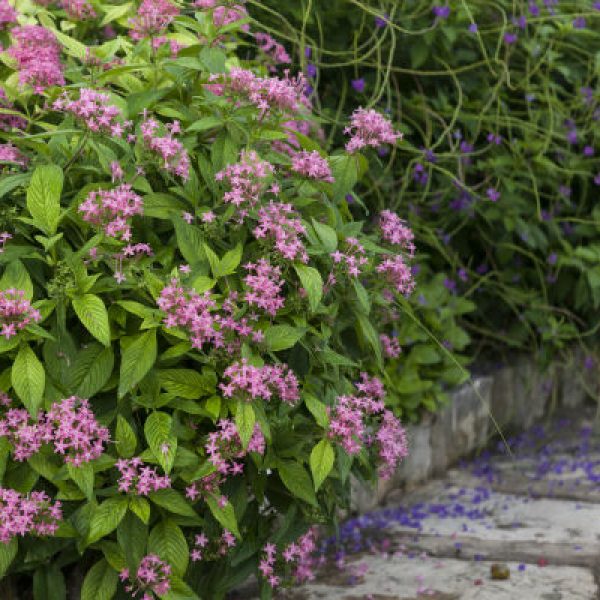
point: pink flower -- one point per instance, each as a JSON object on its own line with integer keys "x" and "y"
{"x": 353, "y": 259}
{"x": 25, "y": 434}
{"x": 170, "y": 150}
{"x": 16, "y": 312}
{"x": 265, "y": 285}
{"x": 7, "y": 14}
{"x": 272, "y": 49}
{"x": 282, "y": 223}
{"x": 78, "y": 10}
{"x": 395, "y": 231}
{"x": 398, "y": 273}
{"x": 139, "y": 479}
{"x": 392, "y": 443}
{"x": 224, "y": 15}
{"x": 313, "y": 165}
{"x": 369, "y": 128}
{"x": 153, "y": 18}
{"x": 391, "y": 346}
{"x": 152, "y": 577}
{"x": 10, "y": 154}
{"x": 8, "y": 122}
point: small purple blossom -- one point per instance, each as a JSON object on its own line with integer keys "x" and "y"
{"x": 450, "y": 284}
{"x": 588, "y": 151}
{"x": 534, "y": 9}
{"x": 520, "y": 22}
{"x": 552, "y": 258}
{"x": 358, "y": 85}
{"x": 493, "y": 194}
{"x": 311, "y": 70}
{"x": 381, "y": 21}
{"x": 510, "y": 38}
{"x": 579, "y": 23}
{"x": 473, "y": 28}
{"x": 441, "y": 12}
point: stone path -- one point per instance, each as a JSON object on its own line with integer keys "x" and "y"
{"x": 537, "y": 513}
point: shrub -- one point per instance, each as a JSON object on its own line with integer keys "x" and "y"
{"x": 190, "y": 350}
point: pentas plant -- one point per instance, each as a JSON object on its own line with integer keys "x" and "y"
{"x": 195, "y": 330}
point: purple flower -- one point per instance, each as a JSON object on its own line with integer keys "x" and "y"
{"x": 572, "y": 136}
{"x": 430, "y": 156}
{"x": 311, "y": 71}
{"x": 482, "y": 269}
{"x": 420, "y": 175}
{"x": 521, "y": 567}
{"x": 307, "y": 52}
{"x": 450, "y": 284}
{"x": 493, "y": 194}
{"x": 415, "y": 269}
{"x": 579, "y": 23}
{"x": 520, "y": 22}
{"x": 462, "y": 275}
{"x": 588, "y": 94}
{"x": 588, "y": 363}
{"x": 597, "y": 179}
{"x": 381, "y": 21}
{"x": 466, "y": 148}
{"x": 565, "y": 190}
{"x": 530, "y": 97}
{"x": 441, "y": 12}
{"x": 473, "y": 28}
{"x": 552, "y": 258}
{"x": 534, "y": 9}
{"x": 588, "y": 151}
{"x": 358, "y": 85}
{"x": 510, "y": 38}
{"x": 493, "y": 138}
{"x": 597, "y": 5}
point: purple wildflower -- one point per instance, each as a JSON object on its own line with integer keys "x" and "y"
{"x": 358, "y": 85}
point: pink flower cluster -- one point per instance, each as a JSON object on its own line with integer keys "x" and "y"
{"x": 369, "y": 128}
{"x": 392, "y": 444}
{"x": 7, "y": 14}
{"x": 249, "y": 382}
{"x": 26, "y": 435}
{"x": 264, "y": 285}
{"x": 20, "y": 515}
{"x": 139, "y": 479}
{"x": 16, "y": 312}
{"x": 75, "y": 431}
{"x": 175, "y": 156}
{"x": 353, "y": 258}
{"x": 391, "y": 346}
{"x": 206, "y": 486}
{"x": 223, "y": 545}
{"x": 300, "y": 553}
{"x": 282, "y": 223}
{"x": 197, "y": 313}
{"x": 395, "y": 231}
{"x": 349, "y": 425}
{"x": 226, "y": 15}
{"x": 272, "y": 48}
{"x": 398, "y": 273}
{"x": 153, "y": 18}
{"x": 266, "y": 93}
{"x": 110, "y": 210}
{"x": 152, "y": 577}
{"x": 247, "y": 180}
{"x": 313, "y": 165}
{"x": 38, "y": 57}
{"x": 94, "y": 109}
{"x": 224, "y": 447}
{"x": 78, "y": 10}
{"x": 11, "y": 154}
{"x": 8, "y": 122}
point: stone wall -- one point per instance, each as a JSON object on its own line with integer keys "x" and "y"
{"x": 511, "y": 398}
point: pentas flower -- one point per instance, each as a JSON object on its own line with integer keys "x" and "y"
{"x": 175, "y": 156}
{"x": 250, "y": 383}
{"x": 78, "y": 10}
{"x": 16, "y": 312}
{"x": 392, "y": 444}
{"x": 395, "y": 231}
{"x": 312, "y": 165}
{"x": 291, "y": 146}
{"x": 391, "y": 346}
{"x": 34, "y": 514}
{"x": 369, "y": 128}
{"x": 398, "y": 273}
{"x": 353, "y": 259}
{"x": 226, "y": 15}
{"x": 8, "y": 122}
{"x": 264, "y": 285}
{"x": 139, "y": 479}
{"x": 111, "y": 209}
{"x": 272, "y": 48}
{"x": 94, "y": 110}
{"x": 268, "y": 94}
{"x": 153, "y": 18}
{"x": 11, "y": 154}
{"x": 75, "y": 431}
{"x": 152, "y": 578}
{"x": 282, "y": 223}
{"x": 7, "y": 14}
{"x": 224, "y": 447}
{"x": 221, "y": 546}
{"x": 25, "y": 433}
{"x": 247, "y": 180}
{"x": 205, "y": 487}
{"x": 37, "y": 53}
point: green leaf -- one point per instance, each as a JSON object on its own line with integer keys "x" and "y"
{"x": 317, "y": 409}
{"x": 282, "y": 337}
{"x": 106, "y": 517}
{"x": 141, "y": 508}
{"x": 230, "y": 261}
{"x": 114, "y": 13}
{"x": 15, "y": 276}
{"x": 125, "y": 439}
{"x": 161, "y": 440}
{"x": 43, "y": 197}
{"x": 297, "y": 480}
{"x": 187, "y": 383}
{"x": 244, "y": 421}
{"x": 224, "y": 515}
{"x": 49, "y": 584}
{"x": 132, "y": 536}
{"x": 362, "y": 295}
{"x": 93, "y": 314}
{"x": 28, "y": 379}
{"x": 138, "y": 357}
{"x": 83, "y": 476}
{"x": 205, "y": 123}
{"x": 173, "y": 501}
{"x": 321, "y": 462}
{"x": 213, "y": 59}
{"x": 327, "y": 235}
{"x": 92, "y": 369}
{"x": 189, "y": 241}
{"x": 370, "y": 335}
{"x": 168, "y": 542}
{"x": 7, "y": 555}
{"x": 345, "y": 173}
{"x": 312, "y": 283}
{"x": 213, "y": 259}
{"x": 100, "y": 583}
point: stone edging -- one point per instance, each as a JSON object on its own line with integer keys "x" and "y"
{"x": 516, "y": 396}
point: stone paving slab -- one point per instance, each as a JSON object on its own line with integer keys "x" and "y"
{"x": 401, "y": 578}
